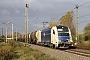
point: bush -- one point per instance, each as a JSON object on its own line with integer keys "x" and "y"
{"x": 13, "y": 50}
{"x": 81, "y": 38}
{"x": 89, "y": 43}
{"x": 73, "y": 38}
{"x": 6, "y": 53}
{"x": 12, "y": 43}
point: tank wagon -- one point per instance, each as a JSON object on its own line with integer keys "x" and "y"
{"x": 35, "y": 37}
{"x": 55, "y": 37}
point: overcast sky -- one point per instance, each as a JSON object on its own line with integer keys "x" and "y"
{"x": 14, "y": 11}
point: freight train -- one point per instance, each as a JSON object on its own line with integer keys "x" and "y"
{"x": 55, "y": 37}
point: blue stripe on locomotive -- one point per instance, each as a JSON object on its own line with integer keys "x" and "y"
{"x": 64, "y": 38}
{"x": 46, "y": 35}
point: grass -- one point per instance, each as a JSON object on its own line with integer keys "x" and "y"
{"x": 26, "y": 53}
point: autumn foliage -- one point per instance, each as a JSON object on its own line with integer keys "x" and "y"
{"x": 67, "y": 20}
{"x": 87, "y": 31}
{"x": 52, "y": 23}
{"x": 7, "y": 50}
{"x": 6, "y": 53}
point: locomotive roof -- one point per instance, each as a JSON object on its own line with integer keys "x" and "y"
{"x": 59, "y": 26}
{"x": 48, "y": 29}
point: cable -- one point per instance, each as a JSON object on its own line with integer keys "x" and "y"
{"x": 84, "y": 4}
{"x": 64, "y": 13}
{"x": 75, "y": 7}
{"x": 84, "y": 16}
{"x": 83, "y": 22}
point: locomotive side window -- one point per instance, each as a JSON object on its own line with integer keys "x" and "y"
{"x": 53, "y": 32}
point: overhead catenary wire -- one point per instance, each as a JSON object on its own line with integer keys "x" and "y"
{"x": 84, "y": 4}
{"x": 64, "y": 13}
{"x": 74, "y": 8}
{"x": 84, "y": 15}
{"x": 84, "y": 22}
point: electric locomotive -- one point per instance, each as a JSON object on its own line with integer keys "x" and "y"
{"x": 57, "y": 36}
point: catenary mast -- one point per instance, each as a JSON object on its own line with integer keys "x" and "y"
{"x": 26, "y": 22}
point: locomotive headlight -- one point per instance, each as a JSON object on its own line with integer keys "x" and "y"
{"x": 67, "y": 39}
{"x": 59, "y": 41}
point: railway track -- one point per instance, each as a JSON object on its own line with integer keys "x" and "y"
{"x": 69, "y": 54}
{"x": 78, "y": 52}
{"x": 81, "y": 52}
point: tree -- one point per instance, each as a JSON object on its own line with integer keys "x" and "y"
{"x": 18, "y": 34}
{"x": 2, "y": 38}
{"x": 14, "y": 34}
{"x": 67, "y": 20}
{"x": 87, "y": 31}
{"x": 52, "y": 23}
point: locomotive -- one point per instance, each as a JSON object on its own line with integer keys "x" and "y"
{"x": 55, "y": 37}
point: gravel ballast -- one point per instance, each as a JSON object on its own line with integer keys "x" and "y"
{"x": 59, "y": 54}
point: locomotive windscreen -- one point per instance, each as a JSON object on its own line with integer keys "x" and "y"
{"x": 62, "y": 28}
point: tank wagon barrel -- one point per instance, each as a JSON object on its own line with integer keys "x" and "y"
{"x": 34, "y": 37}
